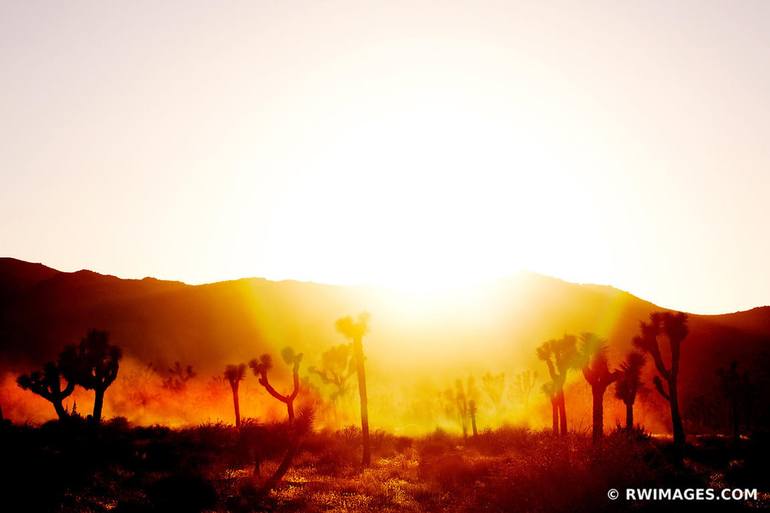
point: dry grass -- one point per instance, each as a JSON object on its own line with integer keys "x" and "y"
{"x": 209, "y": 468}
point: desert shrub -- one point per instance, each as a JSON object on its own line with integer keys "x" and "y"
{"x": 182, "y": 493}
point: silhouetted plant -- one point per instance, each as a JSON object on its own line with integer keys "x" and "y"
{"x": 300, "y": 429}
{"x": 674, "y": 327}
{"x": 734, "y": 388}
{"x": 94, "y": 365}
{"x": 548, "y": 390}
{"x": 265, "y": 363}
{"x": 524, "y": 383}
{"x": 461, "y": 402}
{"x": 596, "y": 371}
{"x": 234, "y": 374}
{"x": 559, "y": 355}
{"x": 629, "y": 383}
{"x": 355, "y": 331}
{"x": 48, "y": 385}
{"x": 494, "y": 386}
{"x": 337, "y": 367}
{"x": 472, "y": 410}
{"x": 177, "y": 377}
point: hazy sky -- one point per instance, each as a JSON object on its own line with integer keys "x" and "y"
{"x": 407, "y": 143}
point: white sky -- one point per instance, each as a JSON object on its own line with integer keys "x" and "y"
{"x": 403, "y": 143}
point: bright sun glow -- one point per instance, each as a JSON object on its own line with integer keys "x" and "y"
{"x": 432, "y": 196}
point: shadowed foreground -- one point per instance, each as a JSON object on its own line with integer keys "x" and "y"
{"x": 78, "y": 467}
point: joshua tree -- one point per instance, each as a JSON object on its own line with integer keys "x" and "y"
{"x": 629, "y": 383}
{"x": 337, "y": 367}
{"x": 94, "y": 365}
{"x": 234, "y": 374}
{"x": 560, "y": 356}
{"x": 548, "y": 390}
{"x": 265, "y": 363}
{"x": 525, "y": 383}
{"x": 177, "y": 377}
{"x": 732, "y": 386}
{"x": 494, "y": 385}
{"x": 596, "y": 370}
{"x": 299, "y": 431}
{"x": 472, "y": 409}
{"x": 48, "y": 385}
{"x": 461, "y": 402}
{"x": 674, "y": 327}
{"x": 355, "y": 331}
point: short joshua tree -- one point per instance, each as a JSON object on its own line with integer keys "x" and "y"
{"x": 265, "y": 363}
{"x": 48, "y": 385}
{"x": 596, "y": 370}
{"x": 672, "y": 326}
{"x": 94, "y": 365}
{"x": 559, "y": 355}
{"x": 629, "y": 383}
{"x": 234, "y": 374}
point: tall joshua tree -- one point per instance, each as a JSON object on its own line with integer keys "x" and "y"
{"x": 94, "y": 363}
{"x": 559, "y": 355}
{"x": 265, "y": 363}
{"x": 234, "y": 374}
{"x": 354, "y": 330}
{"x": 674, "y": 327}
{"x": 48, "y": 385}
{"x": 548, "y": 390}
{"x": 629, "y": 383}
{"x": 596, "y": 371}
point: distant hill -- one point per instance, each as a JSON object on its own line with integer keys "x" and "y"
{"x": 493, "y": 328}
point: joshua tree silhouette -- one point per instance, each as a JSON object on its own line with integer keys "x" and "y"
{"x": 265, "y": 363}
{"x": 674, "y": 327}
{"x": 559, "y": 355}
{"x": 494, "y": 386}
{"x": 234, "y": 374}
{"x": 94, "y": 365}
{"x": 472, "y": 410}
{"x": 461, "y": 402}
{"x": 48, "y": 385}
{"x": 355, "y": 331}
{"x": 596, "y": 371}
{"x": 734, "y": 387}
{"x": 337, "y": 367}
{"x": 629, "y": 383}
{"x": 524, "y": 383}
{"x": 177, "y": 377}
{"x": 548, "y": 390}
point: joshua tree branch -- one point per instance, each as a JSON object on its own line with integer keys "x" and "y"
{"x": 551, "y": 370}
{"x": 659, "y": 388}
{"x": 272, "y": 391}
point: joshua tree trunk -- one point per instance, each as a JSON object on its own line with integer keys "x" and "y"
{"x": 473, "y": 425}
{"x": 562, "y": 412}
{"x": 290, "y": 411}
{"x": 555, "y": 415}
{"x": 98, "y": 404}
{"x": 361, "y": 372}
{"x": 734, "y": 418}
{"x": 629, "y": 416}
{"x": 60, "y": 411}
{"x": 282, "y": 468}
{"x": 598, "y": 414}
{"x": 236, "y": 406}
{"x": 676, "y": 418}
